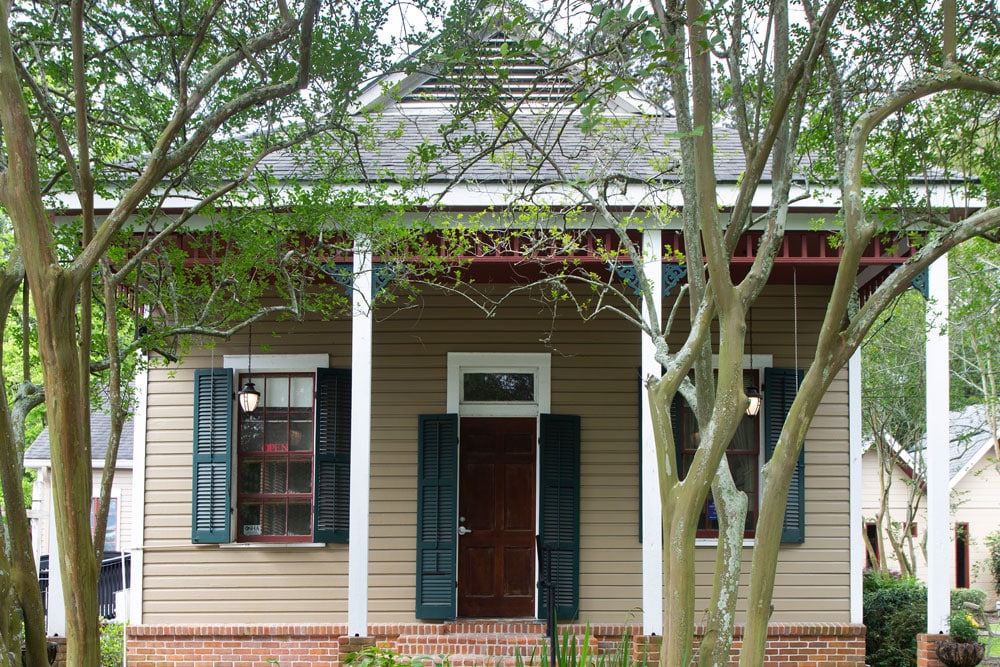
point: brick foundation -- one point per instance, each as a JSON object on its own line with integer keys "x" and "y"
{"x": 926, "y": 657}
{"x": 468, "y": 644}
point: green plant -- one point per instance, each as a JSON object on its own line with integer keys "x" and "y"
{"x": 112, "y": 643}
{"x": 574, "y": 653}
{"x": 962, "y": 627}
{"x": 383, "y": 656}
{"x": 895, "y": 611}
{"x": 993, "y": 542}
{"x": 960, "y": 596}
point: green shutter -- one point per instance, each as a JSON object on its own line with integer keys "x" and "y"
{"x": 559, "y": 510}
{"x": 437, "y": 516}
{"x": 780, "y": 387}
{"x": 332, "y": 484}
{"x": 213, "y": 437}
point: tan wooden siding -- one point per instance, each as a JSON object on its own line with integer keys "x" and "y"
{"x": 594, "y": 374}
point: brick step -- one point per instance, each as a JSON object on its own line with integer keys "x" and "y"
{"x": 468, "y": 645}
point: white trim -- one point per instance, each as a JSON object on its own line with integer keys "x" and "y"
{"x": 714, "y": 542}
{"x": 276, "y": 362}
{"x": 361, "y": 425}
{"x": 138, "y": 537}
{"x": 116, "y": 495}
{"x": 272, "y": 545}
{"x": 986, "y": 447}
{"x": 855, "y": 514}
{"x": 940, "y": 555}
{"x": 538, "y": 363}
{"x": 652, "y": 509}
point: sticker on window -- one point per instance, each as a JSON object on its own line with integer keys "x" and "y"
{"x": 251, "y": 529}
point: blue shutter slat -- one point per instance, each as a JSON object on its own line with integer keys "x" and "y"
{"x": 437, "y": 516}
{"x": 780, "y": 387}
{"x": 212, "y": 455}
{"x": 559, "y": 508}
{"x": 332, "y": 468}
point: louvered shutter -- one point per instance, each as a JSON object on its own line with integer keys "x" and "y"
{"x": 559, "y": 509}
{"x": 332, "y": 483}
{"x": 213, "y": 437}
{"x": 780, "y": 387}
{"x": 437, "y": 516}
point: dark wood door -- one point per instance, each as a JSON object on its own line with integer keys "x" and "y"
{"x": 496, "y": 505}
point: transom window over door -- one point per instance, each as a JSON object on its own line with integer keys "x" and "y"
{"x": 275, "y": 455}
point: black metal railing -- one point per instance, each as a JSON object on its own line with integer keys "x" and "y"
{"x": 112, "y": 579}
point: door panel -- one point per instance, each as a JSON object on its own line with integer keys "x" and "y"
{"x": 496, "y": 560}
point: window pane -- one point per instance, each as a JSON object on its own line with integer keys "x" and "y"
{"x": 250, "y": 477}
{"x": 251, "y": 431}
{"x": 276, "y": 391}
{"x": 498, "y": 387}
{"x": 250, "y": 519}
{"x": 273, "y": 520}
{"x": 276, "y": 435}
{"x": 299, "y": 519}
{"x": 302, "y": 392}
{"x": 300, "y": 477}
{"x": 301, "y": 436}
{"x": 275, "y": 477}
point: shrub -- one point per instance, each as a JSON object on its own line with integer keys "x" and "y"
{"x": 383, "y": 656}
{"x": 993, "y": 542}
{"x": 959, "y": 596}
{"x": 895, "y": 611}
{"x": 112, "y": 643}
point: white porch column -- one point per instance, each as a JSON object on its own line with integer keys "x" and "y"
{"x": 936, "y": 453}
{"x": 652, "y": 525}
{"x": 138, "y": 492}
{"x": 361, "y": 417}
{"x": 857, "y": 557}
{"x": 56, "y": 621}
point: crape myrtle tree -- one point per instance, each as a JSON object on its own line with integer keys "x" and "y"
{"x": 136, "y": 138}
{"x": 893, "y": 388}
{"x": 827, "y": 98}
{"x": 893, "y": 420}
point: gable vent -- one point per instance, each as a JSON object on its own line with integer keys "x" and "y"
{"x": 515, "y": 75}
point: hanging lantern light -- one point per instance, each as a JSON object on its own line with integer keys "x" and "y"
{"x": 248, "y": 396}
{"x": 753, "y": 394}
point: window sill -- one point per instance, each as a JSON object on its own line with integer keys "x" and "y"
{"x": 272, "y": 545}
{"x": 714, "y": 542}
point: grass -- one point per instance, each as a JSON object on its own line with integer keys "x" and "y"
{"x": 993, "y": 643}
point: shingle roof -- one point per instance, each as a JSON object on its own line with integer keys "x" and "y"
{"x": 969, "y": 433}
{"x": 630, "y": 146}
{"x": 100, "y": 429}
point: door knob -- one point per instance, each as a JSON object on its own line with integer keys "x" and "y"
{"x": 462, "y": 530}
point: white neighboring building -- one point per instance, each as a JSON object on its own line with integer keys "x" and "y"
{"x": 975, "y": 498}
{"x": 38, "y": 458}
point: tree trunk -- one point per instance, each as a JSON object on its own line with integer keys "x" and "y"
{"x": 720, "y": 618}
{"x": 66, "y": 401}
{"x": 23, "y": 576}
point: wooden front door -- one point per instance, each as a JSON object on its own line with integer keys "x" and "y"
{"x": 496, "y": 509}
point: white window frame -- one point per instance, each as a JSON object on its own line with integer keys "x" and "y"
{"x": 116, "y": 497}
{"x": 538, "y": 364}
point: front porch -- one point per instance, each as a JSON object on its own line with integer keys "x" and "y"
{"x": 470, "y": 643}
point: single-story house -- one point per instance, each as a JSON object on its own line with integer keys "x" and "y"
{"x": 410, "y": 473}
{"x": 974, "y": 490}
